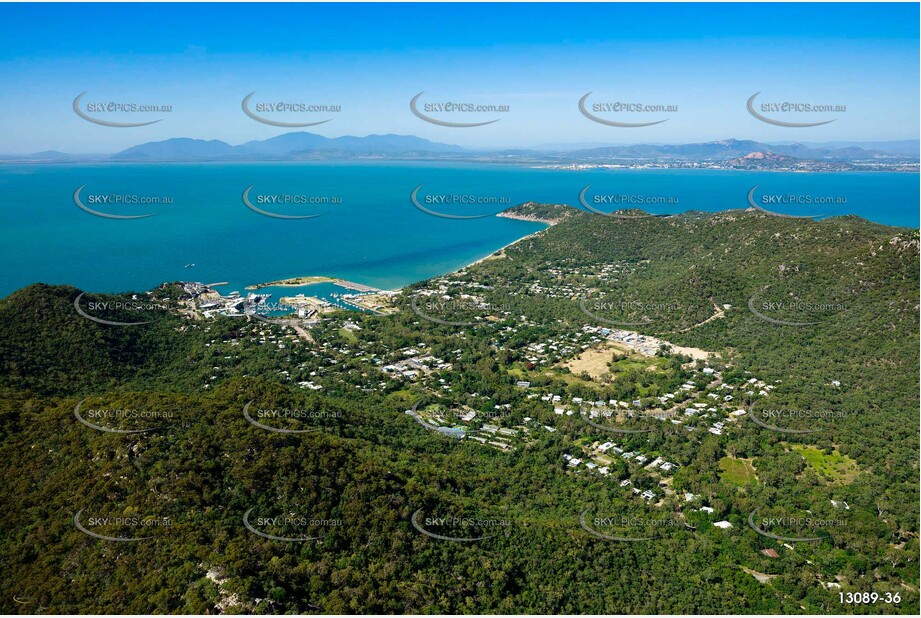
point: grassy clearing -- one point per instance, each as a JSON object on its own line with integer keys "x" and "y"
{"x": 348, "y": 335}
{"x": 831, "y": 467}
{"x": 737, "y": 472}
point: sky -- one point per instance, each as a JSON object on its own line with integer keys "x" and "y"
{"x": 537, "y": 59}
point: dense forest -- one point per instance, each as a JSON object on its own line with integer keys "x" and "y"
{"x": 245, "y": 468}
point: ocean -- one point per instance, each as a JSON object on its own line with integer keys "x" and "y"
{"x": 369, "y": 230}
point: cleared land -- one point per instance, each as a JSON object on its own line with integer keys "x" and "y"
{"x": 348, "y": 335}
{"x": 831, "y": 467}
{"x": 738, "y": 472}
{"x": 594, "y": 361}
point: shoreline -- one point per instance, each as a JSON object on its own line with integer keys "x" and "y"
{"x": 504, "y": 247}
{"x": 492, "y": 254}
{"x": 308, "y": 280}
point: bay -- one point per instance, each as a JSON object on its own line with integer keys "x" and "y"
{"x": 369, "y": 232}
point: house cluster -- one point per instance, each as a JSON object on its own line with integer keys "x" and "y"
{"x": 552, "y": 349}
{"x": 595, "y": 408}
{"x": 223, "y": 354}
{"x": 568, "y": 344}
{"x": 417, "y": 363}
{"x": 481, "y": 427}
{"x": 568, "y": 282}
{"x": 599, "y": 457}
{"x": 449, "y": 298}
{"x": 502, "y": 438}
{"x": 700, "y": 398}
{"x": 705, "y": 397}
{"x": 575, "y": 462}
{"x": 723, "y": 407}
{"x": 605, "y": 452}
{"x": 647, "y": 494}
{"x": 601, "y": 272}
{"x": 644, "y": 344}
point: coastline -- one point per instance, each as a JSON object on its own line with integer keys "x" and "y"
{"x": 308, "y": 280}
{"x": 493, "y": 255}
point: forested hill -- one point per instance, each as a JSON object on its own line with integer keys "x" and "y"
{"x": 165, "y": 434}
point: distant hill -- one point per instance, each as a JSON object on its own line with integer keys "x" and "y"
{"x": 904, "y": 147}
{"x": 771, "y": 160}
{"x": 178, "y": 148}
{"x": 49, "y": 156}
{"x": 289, "y": 146}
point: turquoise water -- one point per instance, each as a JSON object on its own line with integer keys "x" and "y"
{"x": 374, "y": 236}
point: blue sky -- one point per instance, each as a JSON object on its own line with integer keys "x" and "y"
{"x": 538, "y": 59}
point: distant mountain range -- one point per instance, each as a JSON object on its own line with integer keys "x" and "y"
{"x": 289, "y": 146}
{"x": 902, "y": 147}
{"x": 729, "y": 149}
{"x": 298, "y": 146}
